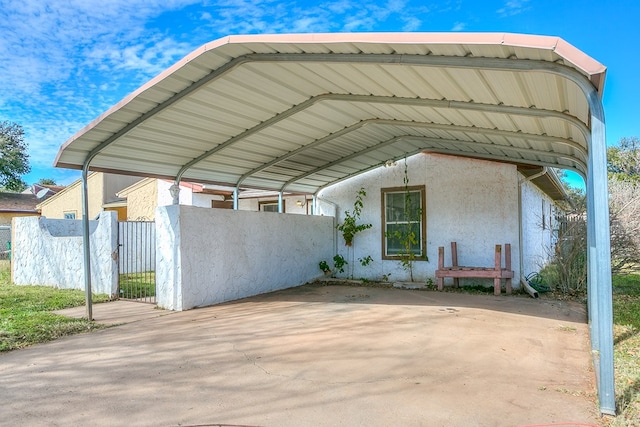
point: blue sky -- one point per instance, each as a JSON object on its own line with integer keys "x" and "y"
{"x": 64, "y": 62}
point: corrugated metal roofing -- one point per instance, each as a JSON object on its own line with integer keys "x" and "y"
{"x": 299, "y": 112}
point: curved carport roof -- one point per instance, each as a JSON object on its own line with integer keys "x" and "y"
{"x": 299, "y": 112}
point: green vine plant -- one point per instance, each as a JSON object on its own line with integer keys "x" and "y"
{"x": 350, "y": 226}
{"x": 324, "y": 266}
{"x": 338, "y": 265}
{"x": 408, "y": 236}
{"x": 339, "y": 262}
{"x": 365, "y": 261}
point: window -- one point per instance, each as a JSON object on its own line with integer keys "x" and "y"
{"x": 70, "y": 215}
{"x": 403, "y": 214}
{"x": 270, "y": 206}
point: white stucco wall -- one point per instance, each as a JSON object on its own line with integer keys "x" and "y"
{"x": 472, "y": 202}
{"x": 49, "y": 252}
{"x": 290, "y": 204}
{"x": 208, "y": 256}
{"x": 539, "y": 226}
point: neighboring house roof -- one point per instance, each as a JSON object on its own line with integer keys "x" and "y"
{"x": 44, "y": 191}
{"x": 59, "y": 194}
{"x": 313, "y": 109}
{"x": 18, "y": 203}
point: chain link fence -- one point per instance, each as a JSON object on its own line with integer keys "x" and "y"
{"x": 5, "y": 242}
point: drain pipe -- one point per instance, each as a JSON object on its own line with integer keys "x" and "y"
{"x": 523, "y": 281}
{"x": 317, "y": 199}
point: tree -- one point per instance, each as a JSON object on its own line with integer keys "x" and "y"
{"x": 14, "y": 160}
{"x": 47, "y": 181}
{"x": 623, "y": 160}
{"x": 623, "y": 164}
{"x": 569, "y": 264}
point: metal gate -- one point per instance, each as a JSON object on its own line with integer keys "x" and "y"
{"x": 137, "y": 261}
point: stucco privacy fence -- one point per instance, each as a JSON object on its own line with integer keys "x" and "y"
{"x": 208, "y": 256}
{"x": 49, "y": 252}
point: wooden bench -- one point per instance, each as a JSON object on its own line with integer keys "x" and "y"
{"x": 497, "y": 273}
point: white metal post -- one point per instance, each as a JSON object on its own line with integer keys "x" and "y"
{"x": 85, "y": 241}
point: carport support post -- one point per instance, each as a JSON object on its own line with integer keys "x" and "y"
{"x": 85, "y": 240}
{"x": 599, "y": 259}
{"x": 174, "y": 190}
{"x": 236, "y": 191}
{"x": 280, "y": 210}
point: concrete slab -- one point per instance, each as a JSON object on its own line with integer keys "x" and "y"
{"x": 321, "y": 356}
{"x": 116, "y": 312}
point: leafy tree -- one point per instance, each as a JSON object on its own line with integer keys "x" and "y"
{"x": 623, "y": 160}
{"x": 47, "y": 181}
{"x": 14, "y": 160}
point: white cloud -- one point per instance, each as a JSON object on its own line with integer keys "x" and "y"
{"x": 57, "y": 61}
{"x": 513, "y": 7}
{"x": 62, "y": 63}
{"x": 458, "y": 26}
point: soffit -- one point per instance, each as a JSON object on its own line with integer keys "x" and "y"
{"x": 299, "y": 112}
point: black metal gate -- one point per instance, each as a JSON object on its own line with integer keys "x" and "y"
{"x": 137, "y": 261}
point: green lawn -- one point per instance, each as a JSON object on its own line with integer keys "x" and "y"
{"x": 25, "y": 313}
{"x": 138, "y": 285}
{"x": 626, "y": 326}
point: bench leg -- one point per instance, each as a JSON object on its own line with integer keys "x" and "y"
{"x": 440, "y": 281}
{"x": 496, "y": 286}
{"x": 456, "y": 283}
{"x": 508, "y": 285}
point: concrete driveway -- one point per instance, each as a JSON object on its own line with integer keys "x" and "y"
{"x": 315, "y": 356}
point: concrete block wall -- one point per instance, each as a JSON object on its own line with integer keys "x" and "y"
{"x": 50, "y": 252}
{"x": 208, "y": 256}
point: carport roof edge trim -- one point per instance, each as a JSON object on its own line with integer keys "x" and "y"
{"x": 584, "y": 64}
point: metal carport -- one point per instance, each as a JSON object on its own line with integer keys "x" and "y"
{"x": 299, "y": 112}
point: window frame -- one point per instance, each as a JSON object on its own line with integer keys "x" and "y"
{"x": 261, "y": 205}
{"x": 69, "y": 214}
{"x": 423, "y": 220}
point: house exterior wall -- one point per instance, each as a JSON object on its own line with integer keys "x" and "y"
{"x": 112, "y": 183}
{"x": 208, "y": 256}
{"x": 472, "y": 202}
{"x": 102, "y": 188}
{"x": 539, "y": 228}
{"x": 142, "y": 203}
{"x": 70, "y": 199}
{"x": 6, "y": 217}
{"x": 49, "y": 252}
{"x": 202, "y": 200}
{"x": 290, "y": 204}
